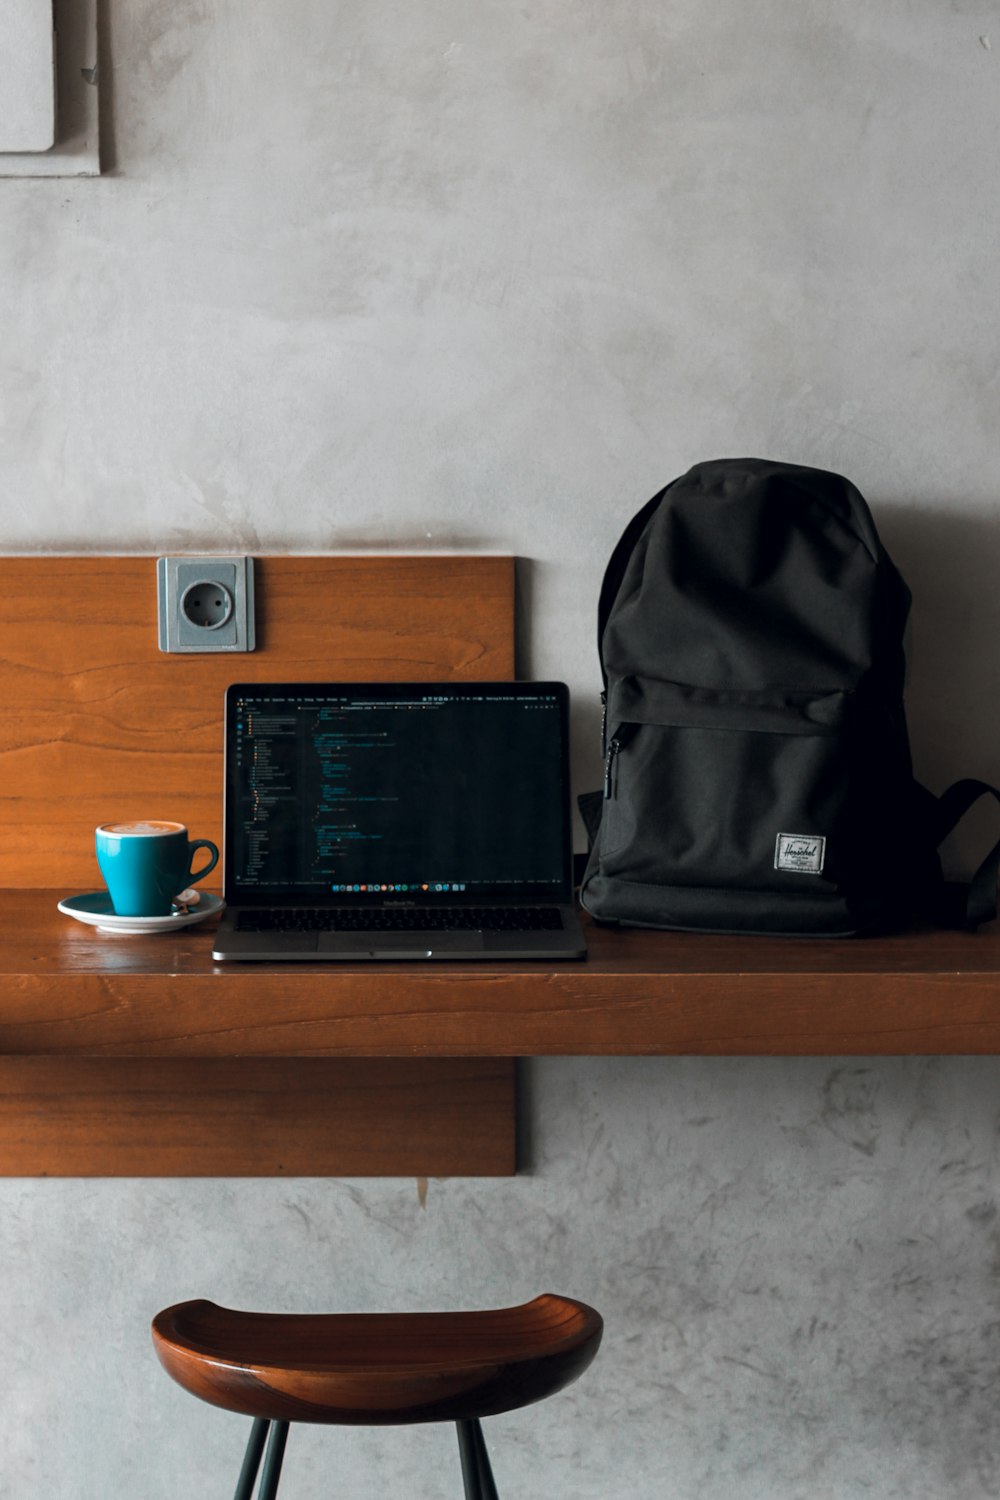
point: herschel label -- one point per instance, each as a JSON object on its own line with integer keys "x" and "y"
{"x": 803, "y": 853}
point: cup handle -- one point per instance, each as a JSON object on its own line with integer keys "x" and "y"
{"x": 193, "y": 848}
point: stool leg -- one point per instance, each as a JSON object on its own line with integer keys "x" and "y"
{"x": 272, "y": 1463}
{"x": 485, "y": 1472}
{"x": 251, "y": 1460}
{"x": 476, "y": 1472}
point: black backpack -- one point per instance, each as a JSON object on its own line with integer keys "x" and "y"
{"x": 757, "y": 762}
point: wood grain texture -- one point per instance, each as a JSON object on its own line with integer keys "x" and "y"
{"x": 377, "y": 1368}
{"x": 69, "y": 990}
{"x": 248, "y": 1117}
{"x": 99, "y": 724}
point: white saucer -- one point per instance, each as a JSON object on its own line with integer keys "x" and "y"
{"x": 95, "y": 910}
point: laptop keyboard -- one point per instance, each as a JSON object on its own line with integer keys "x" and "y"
{"x": 405, "y": 919}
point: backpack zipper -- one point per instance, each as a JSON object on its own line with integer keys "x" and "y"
{"x": 609, "y": 767}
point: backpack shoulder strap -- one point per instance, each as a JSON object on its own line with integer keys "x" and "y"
{"x": 975, "y": 903}
{"x": 615, "y": 570}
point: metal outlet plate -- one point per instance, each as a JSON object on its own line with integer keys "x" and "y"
{"x": 219, "y": 616}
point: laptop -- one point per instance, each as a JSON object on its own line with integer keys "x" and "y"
{"x": 374, "y": 821}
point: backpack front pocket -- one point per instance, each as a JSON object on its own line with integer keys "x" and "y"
{"x": 728, "y": 789}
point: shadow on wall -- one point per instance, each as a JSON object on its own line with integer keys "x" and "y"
{"x": 951, "y": 562}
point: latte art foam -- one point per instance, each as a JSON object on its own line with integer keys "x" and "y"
{"x": 141, "y": 828}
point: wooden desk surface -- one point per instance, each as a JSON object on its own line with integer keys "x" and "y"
{"x": 68, "y": 990}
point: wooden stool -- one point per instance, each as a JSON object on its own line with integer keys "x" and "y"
{"x": 375, "y": 1369}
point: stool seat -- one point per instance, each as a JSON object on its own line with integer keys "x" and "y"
{"x": 377, "y": 1368}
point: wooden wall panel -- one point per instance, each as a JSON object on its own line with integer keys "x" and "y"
{"x": 98, "y": 724}
{"x": 255, "y": 1117}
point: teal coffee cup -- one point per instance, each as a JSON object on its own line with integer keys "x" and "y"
{"x": 146, "y": 864}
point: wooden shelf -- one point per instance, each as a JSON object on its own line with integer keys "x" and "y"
{"x": 140, "y": 1056}
{"x": 69, "y": 990}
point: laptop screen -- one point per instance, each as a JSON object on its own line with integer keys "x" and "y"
{"x": 453, "y": 792}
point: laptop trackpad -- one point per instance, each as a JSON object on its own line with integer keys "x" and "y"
{"x": 400, "y": 944}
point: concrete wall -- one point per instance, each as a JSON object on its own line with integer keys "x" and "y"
{"x": 377, "y": 275}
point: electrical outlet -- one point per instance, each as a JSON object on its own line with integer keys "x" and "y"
{"x": 205, "y": 603}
